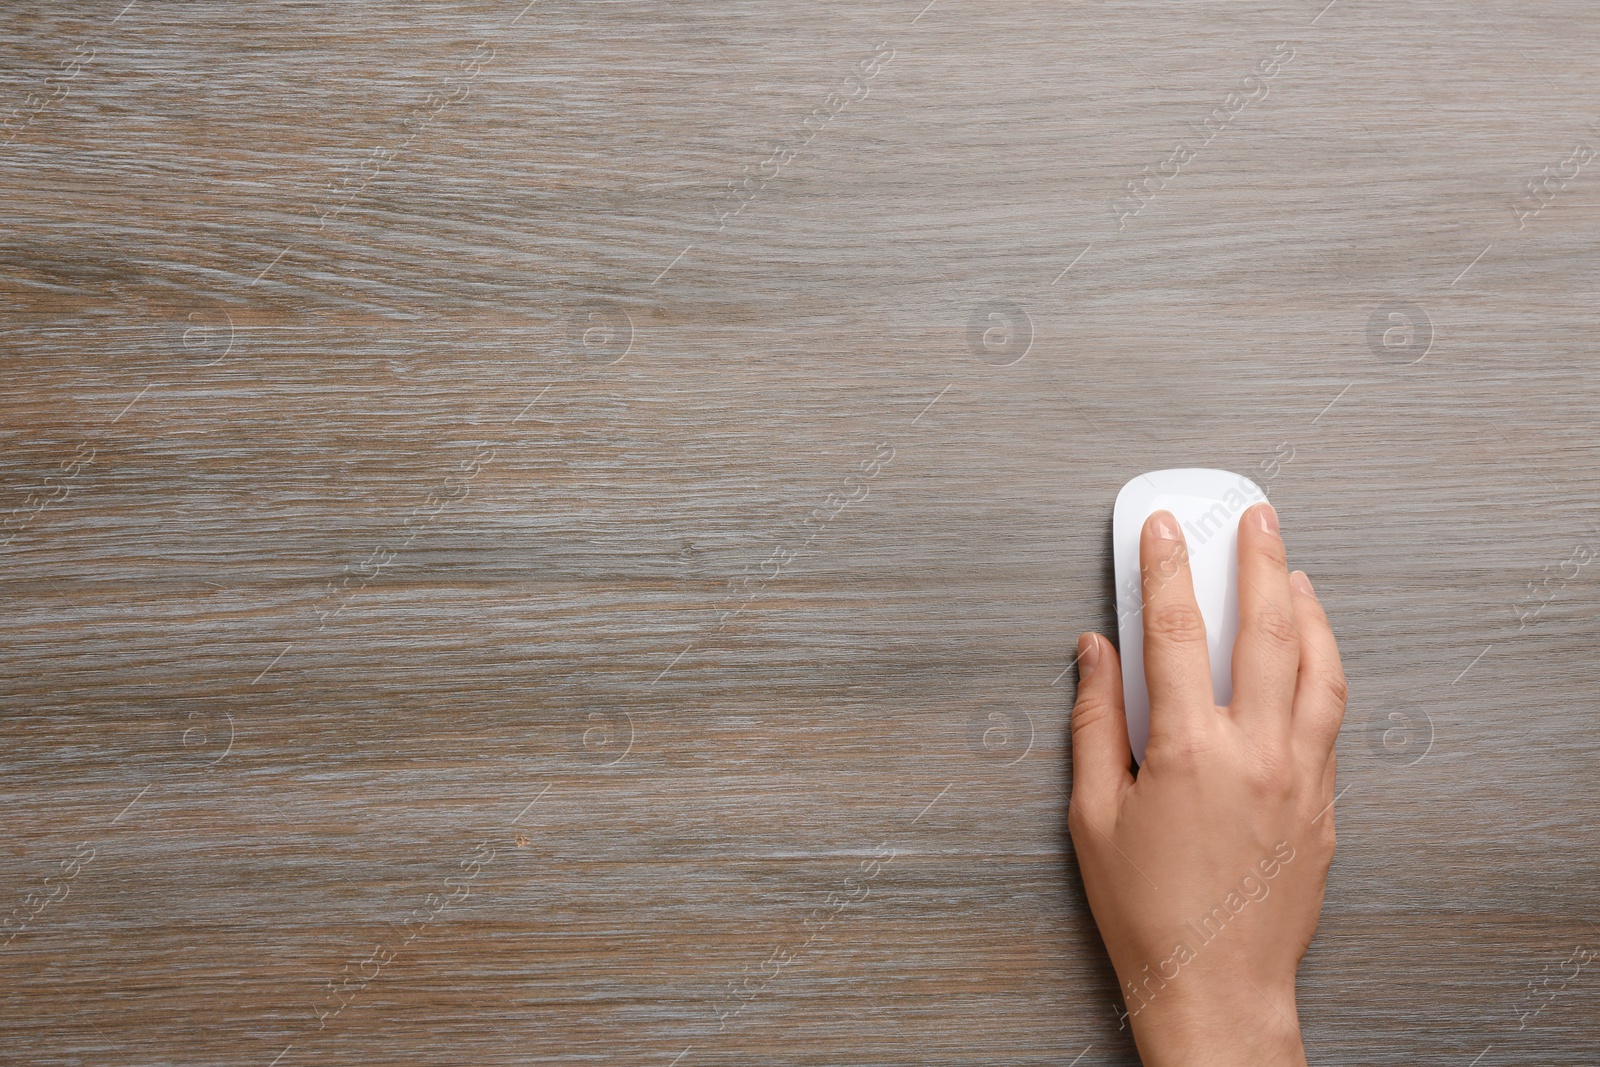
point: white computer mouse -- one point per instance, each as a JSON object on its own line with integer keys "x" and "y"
{"x": 1208, "y": 505}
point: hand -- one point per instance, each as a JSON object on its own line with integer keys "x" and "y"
{"x": 1206, "y": 871}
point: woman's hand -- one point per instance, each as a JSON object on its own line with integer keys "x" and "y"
{"x": 1206, "y": 871}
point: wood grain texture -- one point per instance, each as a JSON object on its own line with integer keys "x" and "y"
{"x": 481, "y": 590}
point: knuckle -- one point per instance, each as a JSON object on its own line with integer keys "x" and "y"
{"x": 1089, "y": 712}
{"x": 1271, "y": 776}
{"x": 1179, "y": 749}
{"x": 1178, "y": 623}
{"x": 1337, "y": 688}
{"x": 1271, "y": 784}
{"x": 1271, "y": 550}
{"x": 1277, "y": 629}
{"x": 1167, "y": 567}
{"x": 1323, "y": 835}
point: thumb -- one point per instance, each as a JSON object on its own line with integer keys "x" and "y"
{"x": 1101, "y": 758}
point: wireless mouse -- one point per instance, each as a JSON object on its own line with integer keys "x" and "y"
{"x": 1208, "y": 505}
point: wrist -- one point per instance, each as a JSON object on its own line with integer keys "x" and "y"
{"x": 1231, "y": 1024}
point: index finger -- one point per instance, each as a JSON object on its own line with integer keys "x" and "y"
{"x": 1177, "y": 668}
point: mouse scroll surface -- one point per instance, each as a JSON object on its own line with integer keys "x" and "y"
{"x": 1208, "y": 505}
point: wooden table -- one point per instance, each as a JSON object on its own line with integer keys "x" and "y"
{"x": 555, "y": 534}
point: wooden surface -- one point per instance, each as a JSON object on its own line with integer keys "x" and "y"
{"x": 481, "y": 590}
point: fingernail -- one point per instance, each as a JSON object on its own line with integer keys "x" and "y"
{"x": 1088, "y": 655}
{"x": 1299, "y": 580}
{"x": 1164, "y": 525}
{"x": 1267, "y": 519}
